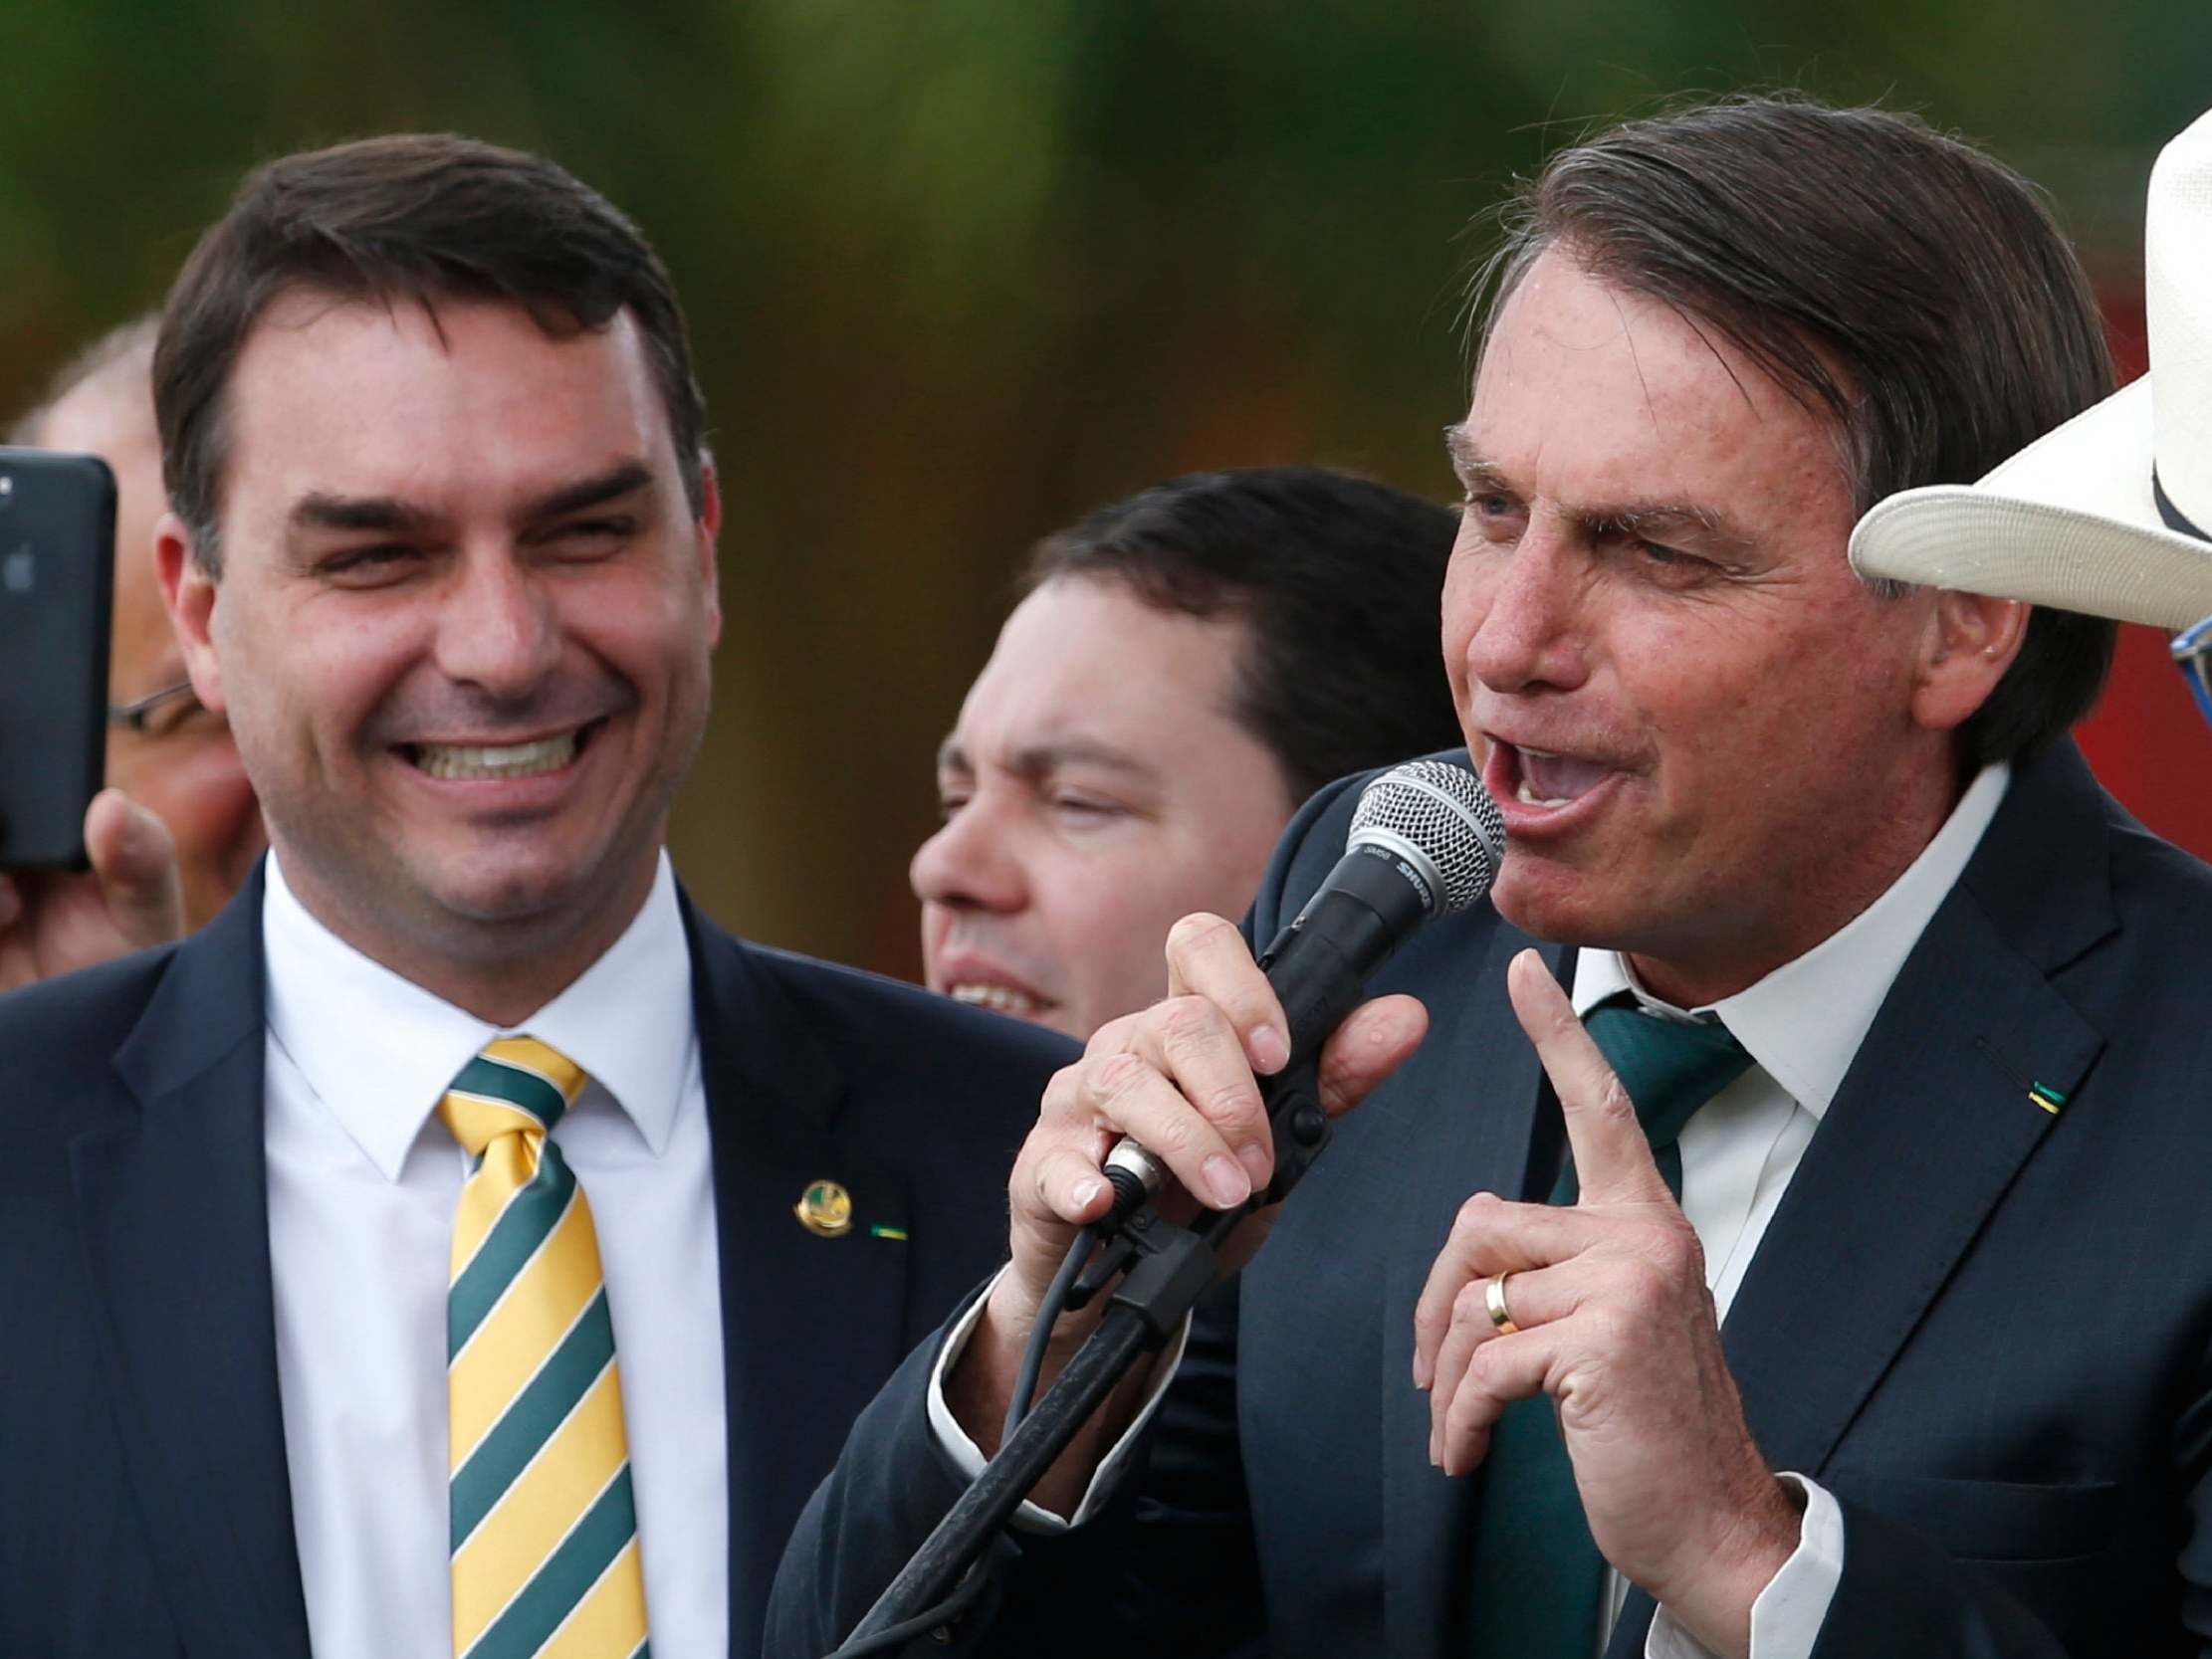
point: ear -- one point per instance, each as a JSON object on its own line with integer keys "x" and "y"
{"x": 708, "y": 530}
{"x": 1971, "y": 640}
{"x": 189, "y": 590}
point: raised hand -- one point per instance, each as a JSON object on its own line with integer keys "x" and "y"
{"x": 1611, "y": 1319}
{"x": 1182, "y": 1079}
{"x": 56, "y": 920}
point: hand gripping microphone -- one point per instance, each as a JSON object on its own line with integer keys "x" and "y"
{"x": 1426, "y": 841}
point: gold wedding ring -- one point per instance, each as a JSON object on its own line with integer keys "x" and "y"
{"x": 1493, "y": 1298}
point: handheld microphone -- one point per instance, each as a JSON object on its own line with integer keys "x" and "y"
{"x": 1426, "y": 841}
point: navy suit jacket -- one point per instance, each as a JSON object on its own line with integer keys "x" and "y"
{"x": 1984, "y": 1323}
{"x": 146, "y": 1505}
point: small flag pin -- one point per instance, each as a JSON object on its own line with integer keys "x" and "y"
{"x": 825, "y": 1208}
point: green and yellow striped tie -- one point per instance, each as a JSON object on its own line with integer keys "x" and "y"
{"x": 545, "y": 1530}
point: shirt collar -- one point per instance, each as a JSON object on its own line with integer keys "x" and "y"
{"x": 1802, "y": 1023}
{"x": 379, "y": 1050}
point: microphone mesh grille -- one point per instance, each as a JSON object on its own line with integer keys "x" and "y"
{"x": 1445, "y": 811}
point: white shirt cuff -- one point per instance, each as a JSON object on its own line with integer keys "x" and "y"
{"x": 970, "y": 1461}
{"x": 1786, "y": 1619}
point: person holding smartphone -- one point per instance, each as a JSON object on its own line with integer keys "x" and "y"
{"x": 176, "y": 832}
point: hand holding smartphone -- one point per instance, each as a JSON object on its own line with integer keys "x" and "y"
{"x": 57, "y": 571}
{"x": 55, "y": 922}
{"x": 82, "y": 879}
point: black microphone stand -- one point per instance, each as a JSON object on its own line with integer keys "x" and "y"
{"x": 1165, "y": 1268}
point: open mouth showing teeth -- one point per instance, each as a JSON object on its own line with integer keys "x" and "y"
{"x": 502, "y": 761}
{"x": 1553, "y": 780}
{"x": 1002, "y": 998}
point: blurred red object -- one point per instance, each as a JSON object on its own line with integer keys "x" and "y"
{"x": 2149, "y": 744}
{"x": 2145, "y": 740}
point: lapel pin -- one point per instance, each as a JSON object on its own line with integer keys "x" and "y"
{"x": 2046, "y": 1097}
{"x": 825, "y": 1208}
{"x": 879, "y": 1230}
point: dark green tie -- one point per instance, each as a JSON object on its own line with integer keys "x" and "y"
{"x": 1537, "y": 1576}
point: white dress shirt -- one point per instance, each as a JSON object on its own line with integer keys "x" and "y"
{"x": 364, "y": 1181}
{"x": 1802, "y": 1025}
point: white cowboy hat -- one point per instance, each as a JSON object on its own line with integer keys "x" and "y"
{"x": 2112, "y": 512}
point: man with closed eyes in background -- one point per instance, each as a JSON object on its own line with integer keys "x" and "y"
{"x": 1185, "y": 667}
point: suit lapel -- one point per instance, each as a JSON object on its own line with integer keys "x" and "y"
{"x": 1472, "y": 1106}
{"x": 172, "y": 1199}
{"x": 810, "y": 1324}
{"x": 1932, "y": 1122}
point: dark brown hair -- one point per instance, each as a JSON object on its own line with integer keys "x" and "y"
{"x": 411, "y": 218}
{"x": 1910, "y": 285}
{"x": 1338, "y": 580}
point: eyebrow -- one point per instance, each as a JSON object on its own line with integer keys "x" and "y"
{"x": 622, "y": 479}
{"x": 1645, "y": 520}
{"x": 1461, "y": 447}
{"x": 1038, "y": 760}
{"x": 319, "y": 510}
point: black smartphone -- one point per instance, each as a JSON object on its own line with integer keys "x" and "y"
{"x": 56, "y": 572}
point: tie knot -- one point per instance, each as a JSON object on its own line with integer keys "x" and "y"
{"x": 517, "y": 1085}
{"x": 1670, "y": 1067}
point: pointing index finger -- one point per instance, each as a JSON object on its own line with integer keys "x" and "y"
{"x": 1207, "y": 956}
{"x": 1613, "y": 1159}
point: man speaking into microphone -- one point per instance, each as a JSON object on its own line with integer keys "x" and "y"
{"x": 1844, "y": 1292}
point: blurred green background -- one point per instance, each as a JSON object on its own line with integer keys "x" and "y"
{"x": 958, "y": 269}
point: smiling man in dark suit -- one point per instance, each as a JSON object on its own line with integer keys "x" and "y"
{"x": 461, "y": 1246}
{"x": 1872, "y": 1317}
